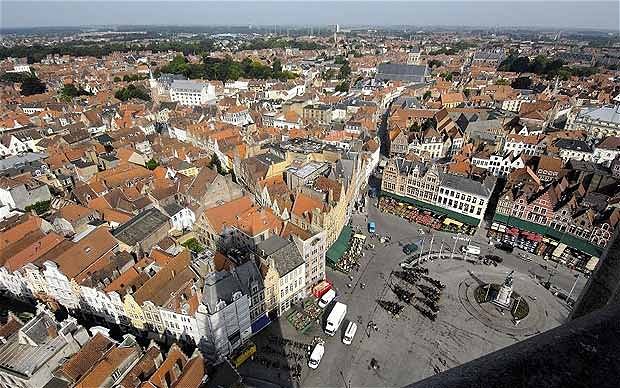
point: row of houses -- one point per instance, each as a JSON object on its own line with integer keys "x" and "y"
{"x": 45, "y": 352}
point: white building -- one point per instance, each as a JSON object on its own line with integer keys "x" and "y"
{"x": 182, "y": 218}
{"x": 501, "y": 166}
{"x": 598, "y": 122}
{"x": 20, "y": 69}
{"x": 531, "y": 145}
{"x": 607, "y": 150}
{"x": 465, "y": 196}
{"x": 192, "y": 93}
{"x": 59, "y": 287}
{"x": 237, "y": 115}
{"x": 313, "y": 251}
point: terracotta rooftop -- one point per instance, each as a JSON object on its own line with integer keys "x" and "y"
{"x": 86, "y": 252}
{"x": 226, "y": 214}
{"x": 304, "y": 205}
{"x": 87, "y": 357}
{"x": 29, "y": 249}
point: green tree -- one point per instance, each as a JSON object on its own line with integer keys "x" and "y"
{"x": 40, "y": 207}
{"x": 276, "y": 66}
{"x": 415, "y": 127}
{"x": 70, "y": 91}
{"x": 427, "y": 95}
{"x": 340, "y": 60}
{"x": 434, "y": 63}
{"x": 522, "y": 83}
{"x": 343, "y": 86}
{"x": 429, "y": 123}
{"x": 193, "y": 245}
{"x": 345, "y": 71}
{"x": 328, "y": 74}
{"x": 132, "y": 91}
{"x": 152, "y": 164}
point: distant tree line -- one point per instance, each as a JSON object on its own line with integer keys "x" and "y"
{"x": 226, "y": 69}
{"x": 454, "y": 49}
{"x": 261, "y": 44}
{"x": 541, "y": 65}
{"x": 34, "y": 53}
{"x": 132, "y": 91}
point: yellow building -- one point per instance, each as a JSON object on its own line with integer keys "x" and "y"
{"x": 134, "y": 312}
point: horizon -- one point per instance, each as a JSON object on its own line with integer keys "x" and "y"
{"x": 585, "y": 15}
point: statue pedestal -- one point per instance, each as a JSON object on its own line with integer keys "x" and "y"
{"x": 503, "y": 297}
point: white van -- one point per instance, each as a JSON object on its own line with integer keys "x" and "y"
{"x": 349, "y": 333}
{"x": 316, "y": 356}
{"x": 335, "y": 318}
{"x": 471, "y": 250}
{"x": 327, "y": 298}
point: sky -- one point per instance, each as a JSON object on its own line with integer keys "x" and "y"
{"x": 556, "y": 14}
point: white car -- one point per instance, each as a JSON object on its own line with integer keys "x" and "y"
{"x": 316, "y": 355}
{"x": 327, "y": 298}
{"x": 349, "y": 333}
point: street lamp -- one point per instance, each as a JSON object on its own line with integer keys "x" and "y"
{"x": 421, "y": 249}
{"x": 573, "y": 288}
{"x": 454, "y": 247}
{"x": 430, "y": 249}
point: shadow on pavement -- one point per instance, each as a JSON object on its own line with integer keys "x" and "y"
{"x": 476, "y": 278}
{"x": 280, "y": 359}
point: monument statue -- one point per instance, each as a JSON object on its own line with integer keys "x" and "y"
{"x": 508, "y": 281}
{"x": 502, "y": 298}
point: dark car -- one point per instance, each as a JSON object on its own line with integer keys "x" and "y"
{"x": 410, "y": 248}
{"x": 505, "y": 247}
{"x": 494, "y": 258}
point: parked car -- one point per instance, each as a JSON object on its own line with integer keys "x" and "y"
{"x": 327, "y": 298}
{"x": 410, "y": 248}
{"x": 349, "y": 333}
{"x": 505, "y": 247}
{"x": 316, "y": 355}
{"x": 494, "y": 258}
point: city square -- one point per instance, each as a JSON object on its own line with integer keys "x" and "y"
{"x": 412, "y": 347}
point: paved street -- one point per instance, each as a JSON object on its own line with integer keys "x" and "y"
{"x": 411, "y": 347}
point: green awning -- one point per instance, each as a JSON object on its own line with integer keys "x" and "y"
{"x": 340, "y": 246}
{"x": 566, "y": 238}
{"x": 434, "y": 208}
